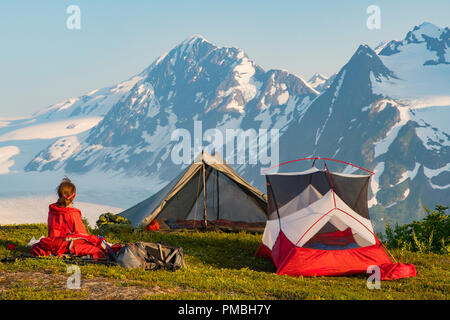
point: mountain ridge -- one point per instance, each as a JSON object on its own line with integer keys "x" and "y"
{"x": 368, "y": 113}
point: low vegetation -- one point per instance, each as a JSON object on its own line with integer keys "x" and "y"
{"x": 432, "y": 234}
{"x": 219, "y": 266}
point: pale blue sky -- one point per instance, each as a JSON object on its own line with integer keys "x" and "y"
{"x": 42, "y": 62}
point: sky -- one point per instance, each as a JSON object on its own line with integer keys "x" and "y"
{"x": 43, "y": 62}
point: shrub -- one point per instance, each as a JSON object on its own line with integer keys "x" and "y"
{"x": 431, "y": 234}
{"x": 110, "y": 218}
{"x": 109, "y": 222}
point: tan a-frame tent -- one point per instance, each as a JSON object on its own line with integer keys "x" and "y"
{"x": 208, "y": 192}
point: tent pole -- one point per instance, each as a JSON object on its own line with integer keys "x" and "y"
{"x": 218, "y": 199}
{"x": 204, "y": 193}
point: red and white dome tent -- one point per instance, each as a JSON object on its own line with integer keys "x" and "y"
{"x": 319, "y": 225}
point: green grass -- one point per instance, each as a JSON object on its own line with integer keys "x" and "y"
{"x": 219, "y": 266}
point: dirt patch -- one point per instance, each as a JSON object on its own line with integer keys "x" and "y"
{"x": 98, "y": 288}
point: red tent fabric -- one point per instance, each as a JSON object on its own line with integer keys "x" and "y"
{"x": 67, "y": 234}
{"x": 300, "y": 261}
{"x": 319, "y": 225}
{"x": 394, "y": 271}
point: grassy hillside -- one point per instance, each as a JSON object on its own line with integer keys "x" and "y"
{"x": 219, "y": 266}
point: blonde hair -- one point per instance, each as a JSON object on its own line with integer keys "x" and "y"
{"x": 66, "y": 192}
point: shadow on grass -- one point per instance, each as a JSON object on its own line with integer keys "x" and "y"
{"x": 10, "y": 227}
{"x": 217, "y": 249}
{"x": 18, "y": 248}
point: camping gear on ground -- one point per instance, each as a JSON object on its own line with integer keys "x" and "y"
{"x": 67, "y": 235}
{"x": 152, "y": 226}
{"x": 208, "y": 193}
{"x": 151, "y": 256}
{"x": 319, "y": 224}
{"x": 141, "y": 255}
{"x": 34, "y": 241}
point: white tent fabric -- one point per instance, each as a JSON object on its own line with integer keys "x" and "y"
{"x": 271, "y": 232}
{"x": 295, "y": 225}
{"x": 360, "y": 241}
{"x": 349, "y": 175}
{"x": 359, "y": 225}
{"x": 303, "y": 200}
{"x": 300, "y": 226}
{"x": 309, "y": 171}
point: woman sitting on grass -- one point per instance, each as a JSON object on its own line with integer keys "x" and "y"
{"x": 66, "y": 231}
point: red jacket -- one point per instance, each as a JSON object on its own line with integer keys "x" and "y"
{"x": 67, "y": 234}
{"x": 63, "y": 221}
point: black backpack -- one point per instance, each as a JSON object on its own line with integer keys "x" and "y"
{"x": 151, "y": 256}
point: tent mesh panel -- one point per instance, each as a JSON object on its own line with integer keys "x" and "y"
{"x": 225, "y": 200}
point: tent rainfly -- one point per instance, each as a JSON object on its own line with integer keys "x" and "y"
{"x": 319, "y": 224}
{"x": 207, "y": 192}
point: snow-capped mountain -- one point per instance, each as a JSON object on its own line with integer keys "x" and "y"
{"x": 386, "y": 110}
{"x": 317, "y": 79}
{"x": 320, "y": 82}
{"x": 222, "y": 87}
{"x": 127, "y": 128}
